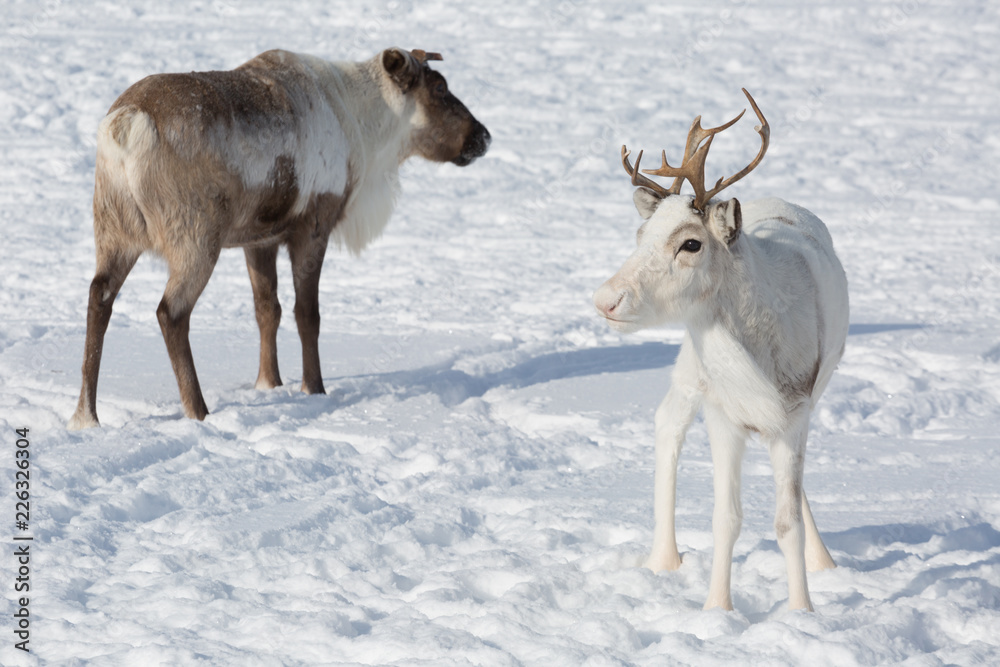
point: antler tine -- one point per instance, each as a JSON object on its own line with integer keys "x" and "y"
{"x": 689, "y": 168}
{"x": 638, "y": 179}
{"x": 423, "y": 56}
{"x": 679, "y": 173}
{"x": 692, "y": 169}
{"x": 698, "y": 134}
{"x": 699, "y": 140}
{"x": 764, "y": 130}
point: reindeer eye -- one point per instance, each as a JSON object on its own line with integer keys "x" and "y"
{"x": 691, "y": 245}
{"x": 441, "y": 88}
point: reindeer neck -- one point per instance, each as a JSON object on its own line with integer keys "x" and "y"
{"x": 742, "y": 311}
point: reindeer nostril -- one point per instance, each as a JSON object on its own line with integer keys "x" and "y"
{"x": 612, "y": 306}
{"x": 608, "y": 300}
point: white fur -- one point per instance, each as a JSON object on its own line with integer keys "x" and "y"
{"x": 136, "y": 139}
{"x": 379, "y": 138}
{"x": 766, "y": 319}
{"x": 354, "y": 129}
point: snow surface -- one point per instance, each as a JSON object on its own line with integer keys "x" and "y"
{"x": 477, "y": 486}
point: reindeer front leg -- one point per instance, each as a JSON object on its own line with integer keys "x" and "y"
{"x": 190, "y": 268}
{"x": 306, "y": 252}
{"x": 728, "y": 443}
{"x": 261, "y": 265}
{"x": 673, "y": 418}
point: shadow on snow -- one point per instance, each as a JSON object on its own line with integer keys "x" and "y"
{"x": 940, "y": 557}
{"x": 453, "y": 386}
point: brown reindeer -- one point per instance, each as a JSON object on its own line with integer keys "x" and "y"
{"x": 286, "y": 149}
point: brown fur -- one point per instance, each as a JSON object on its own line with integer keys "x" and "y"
{"x": 166, "y": 182}
{"x": 442, "y": 142}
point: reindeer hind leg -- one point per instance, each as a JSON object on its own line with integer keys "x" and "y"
{"x": 817, "y": 555}
{"x": 787, "y": 452}
{"x": 112, "y": 270}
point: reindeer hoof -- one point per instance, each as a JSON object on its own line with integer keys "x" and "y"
{"x": 670, "y": 562}
{"x": 314, "y": 388}
{"x": 264, "y": 383}
{"x": 81, "y": 420}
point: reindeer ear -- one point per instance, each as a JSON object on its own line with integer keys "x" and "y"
{"x": 401, "y": 67}
{"x": 646, "y": 201}
{"x": 725, "y": 220}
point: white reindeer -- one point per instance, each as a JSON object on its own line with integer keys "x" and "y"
{"x": 764, "y": 300}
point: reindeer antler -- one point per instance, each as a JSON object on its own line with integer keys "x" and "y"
{"x": 693, "y": 166}
{"x": 638, "y": 179}
{"x": 423, "y": 56}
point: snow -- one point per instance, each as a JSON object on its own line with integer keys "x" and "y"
{"x": 476, "y": 488}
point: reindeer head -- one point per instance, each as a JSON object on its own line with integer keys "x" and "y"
{"x": 685, "y": 244}
{"x": 443, "y": 129}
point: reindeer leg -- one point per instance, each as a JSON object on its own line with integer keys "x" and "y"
{"x": 190, "y": 270}
{"x": 817, "y": 556}
{"x": 728, "y": 442}
{"x": 306, "y": 252}
{"x": 112, "y": 269}
{"x": 787, "y": 459}
{"x": 673, "y": 418}
{"x": 261, "y": 265}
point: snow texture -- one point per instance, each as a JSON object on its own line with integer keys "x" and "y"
{"x": 476, "y": 488}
